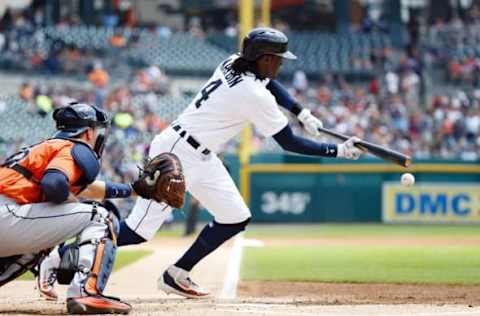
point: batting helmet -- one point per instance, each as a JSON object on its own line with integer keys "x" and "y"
{"x": 76, "y": 118}
{"x": 265, "y": 41}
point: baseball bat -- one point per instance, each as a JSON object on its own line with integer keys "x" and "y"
{"x": 377, "y": 150}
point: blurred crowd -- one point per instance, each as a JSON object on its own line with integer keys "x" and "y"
{"x": 134, "y": 121}
{"x": 387, "y": 111}
{"x": 393, "y": 108}
{"x": 456, "y": 43}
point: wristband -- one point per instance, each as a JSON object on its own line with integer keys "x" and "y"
{"x": 117, "y": 190}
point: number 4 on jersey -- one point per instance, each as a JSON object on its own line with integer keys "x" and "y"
{"x": 209, "y": 88}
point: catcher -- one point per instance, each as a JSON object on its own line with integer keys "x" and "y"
{"x": 39, "y": 207}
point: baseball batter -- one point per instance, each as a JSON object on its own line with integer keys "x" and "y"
{"x": 242, "y": 90}
{"x": 39, "y": 209}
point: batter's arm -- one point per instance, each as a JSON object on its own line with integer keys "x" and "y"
{"x": 290, "y": 142}
{"x": 283, "y": 98}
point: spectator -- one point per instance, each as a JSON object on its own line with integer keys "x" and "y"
{"x": 392, "y": 82}
{"x": 300, "y": 82}
{"x": 152, "y": 122}
{"x": 374, "y": 86}
{"x": 99, "y": 79}
{"x": 26, "y": 92}
{"x": 118, "y": 40}
{"x": 2, "y": 41}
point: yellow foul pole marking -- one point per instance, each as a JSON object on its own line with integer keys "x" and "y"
{"x": 246, "y": 12}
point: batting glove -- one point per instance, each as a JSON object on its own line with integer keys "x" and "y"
{"x": 310, "y": 122}
{"x": 348, "y": 150}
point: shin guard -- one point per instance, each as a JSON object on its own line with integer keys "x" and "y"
{"x": 102, "y": 267}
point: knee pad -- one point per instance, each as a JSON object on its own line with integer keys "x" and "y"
{"x": 112, "y": 208}
{"x": 104, "y": 258}
{"x": 113, "y": 216}
{"x": 68, "y": 263}
{"x": 113, "y": 227}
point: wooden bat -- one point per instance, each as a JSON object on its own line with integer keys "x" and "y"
{"x": 377, "y": 150}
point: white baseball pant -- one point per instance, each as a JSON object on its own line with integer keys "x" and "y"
{"x": 206, "y": 178}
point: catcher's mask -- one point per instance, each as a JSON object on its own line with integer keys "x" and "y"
{"x": 75, "y": 118}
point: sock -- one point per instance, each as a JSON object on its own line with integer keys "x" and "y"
{"x": 128, "y": 236}
{"x": 211, "y": 237}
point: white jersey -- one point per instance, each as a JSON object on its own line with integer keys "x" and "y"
{"x": 226, "y": 103}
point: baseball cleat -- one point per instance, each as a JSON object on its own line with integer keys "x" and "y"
{"x": 46, "y": 280}
{"x": 177, "y": 281}
{"x": 97, "y": 305}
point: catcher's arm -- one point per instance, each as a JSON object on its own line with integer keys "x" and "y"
{"x": 100, "y": 190}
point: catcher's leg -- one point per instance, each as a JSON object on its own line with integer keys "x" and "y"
{"x": 14, "y": 266}
{"x": 47, "y": 275}
{"x": 63, "y": 255}
{"x": 96, "y": 256}
{"x": 217, "y": 192}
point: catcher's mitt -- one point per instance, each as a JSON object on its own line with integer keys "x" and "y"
{"x": 162, "y": 180}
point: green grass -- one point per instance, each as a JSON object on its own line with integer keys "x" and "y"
{"x": 175, "y": 230}
{"x": 124, "y": 258}
{"x": 361, "y": 230}
{"x": 426, "y": 263}
{"x": 127, "y": 257}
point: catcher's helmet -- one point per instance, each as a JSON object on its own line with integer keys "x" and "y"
{"x": 265, "y": 41}
{"x": 76, "y": 118}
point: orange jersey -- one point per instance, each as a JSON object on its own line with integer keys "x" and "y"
{"x": 50, "y": 154}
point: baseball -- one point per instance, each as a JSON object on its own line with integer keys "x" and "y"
{"x": 407, "y": 179}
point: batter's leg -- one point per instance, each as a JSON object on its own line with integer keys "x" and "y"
{"x": 147, "y": 216}
{"x": 143, "y": 222}
{"x": 218, "y": 193}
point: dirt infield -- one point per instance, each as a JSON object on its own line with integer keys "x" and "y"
{"x": 340, "y": 303}
{"x": 345, "y": 294}
{"x": 137, "y": 285}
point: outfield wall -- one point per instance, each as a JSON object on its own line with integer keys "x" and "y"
{"x": 289, "y": 188}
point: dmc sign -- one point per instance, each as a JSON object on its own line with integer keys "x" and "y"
{"x": 431, "y": 203}
{"x": 435, "y": 204}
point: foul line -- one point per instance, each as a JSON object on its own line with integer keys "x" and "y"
{"x": 233, "y": 269}
{"x": 472, "y": 313}
{"x": 265, "y": 312}
{"x": 269, "y": 312}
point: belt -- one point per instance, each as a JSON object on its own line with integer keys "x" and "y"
{"x": 189, "y": 139}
